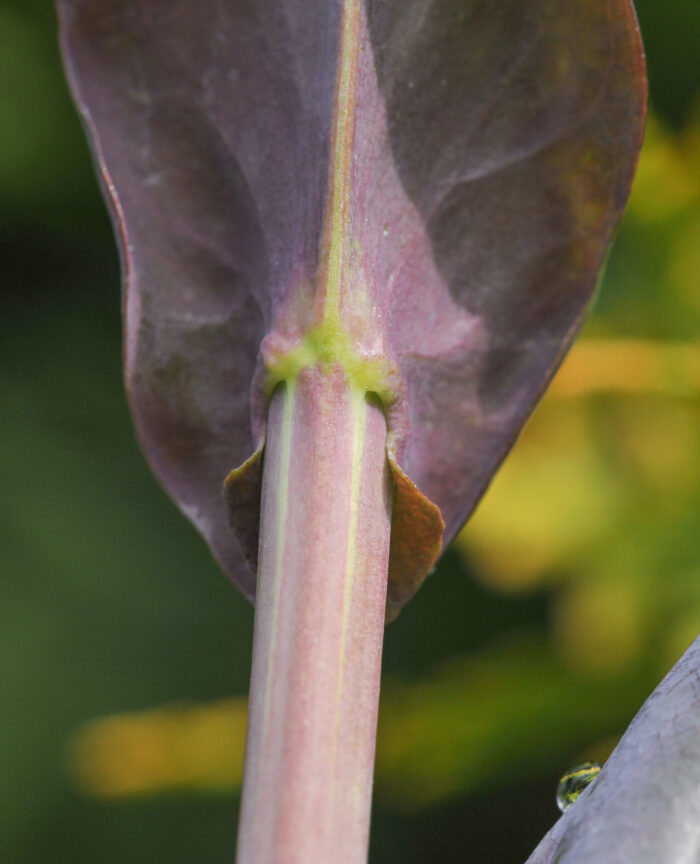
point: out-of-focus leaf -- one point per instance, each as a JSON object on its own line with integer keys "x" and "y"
{"x": 461, "y": 165}
{"x": 645, "y": 804}
{"x": 585, "y": 500}
{"x": 666, "y": 182}
{"x": 489, "y": 720}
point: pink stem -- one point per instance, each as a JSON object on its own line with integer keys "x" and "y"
{"x": 319, "y": 621}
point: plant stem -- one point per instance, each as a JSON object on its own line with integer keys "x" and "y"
{"x": 319, "y": 622}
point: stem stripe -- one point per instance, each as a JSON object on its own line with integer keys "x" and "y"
{"x": 359, "y": 422}
{"x": 281, "y": 523}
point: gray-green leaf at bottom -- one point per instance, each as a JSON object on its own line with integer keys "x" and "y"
{"x": 645, "y": 805}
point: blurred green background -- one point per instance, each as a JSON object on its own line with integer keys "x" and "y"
{"x": 124, "y": 652}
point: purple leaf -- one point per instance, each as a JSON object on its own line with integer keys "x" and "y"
{"x": 457, "y": 167}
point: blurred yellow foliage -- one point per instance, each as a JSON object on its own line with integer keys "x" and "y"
{"x": 558, "y": 492}
{"x": 667, "y": 178}
{"x": 599, "y": 624}
{"x": 179, "y": 747}
{"x": 684, "y": 262}
{"x": 591, "y": 498}
{"x": 503, "y": 712}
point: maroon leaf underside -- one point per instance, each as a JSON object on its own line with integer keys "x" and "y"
{"x": 495, "y": 145}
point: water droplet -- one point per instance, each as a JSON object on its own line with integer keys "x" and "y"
{"x": 385, "y": 229}
{"x": 411, "y": 85}
{"x": 574, "y": 782}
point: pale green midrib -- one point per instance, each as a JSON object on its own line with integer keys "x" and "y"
{"x": 335, "y": 229}
{"x": 328, "y": 342}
